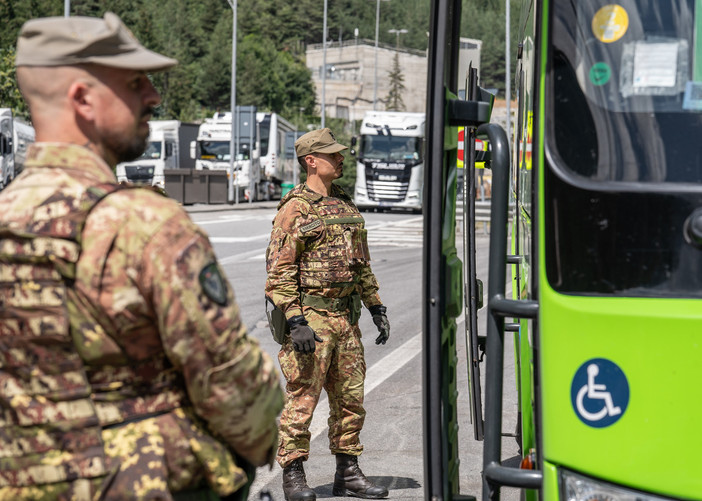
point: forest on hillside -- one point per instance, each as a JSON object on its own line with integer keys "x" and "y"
{"x": 271, "y": 39}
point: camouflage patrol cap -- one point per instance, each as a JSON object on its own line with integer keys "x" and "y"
{"x": 61, "y": 41}
{"x": 317, "y": 141}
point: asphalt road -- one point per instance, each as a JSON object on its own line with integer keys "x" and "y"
{"x": 392, "y": 435}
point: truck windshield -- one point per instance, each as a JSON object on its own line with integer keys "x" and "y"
{"x": 393, "y": 148}
{"x": 152, "y": 152}
{"x": 214, "y": 150}
{"x": 264, "y": 128}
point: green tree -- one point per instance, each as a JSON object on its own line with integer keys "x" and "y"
{"x": 485, "y": 21}
{"x": 10, "y": 96}
{"x": 393, "y": 101}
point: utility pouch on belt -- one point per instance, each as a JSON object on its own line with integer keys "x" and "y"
{"x": 354, "y": 308}
{"x": 276, "y": 321}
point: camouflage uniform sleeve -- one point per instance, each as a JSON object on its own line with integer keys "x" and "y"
{"x": 231, "y": 382}
{"x": 369, "y": 287}
{"x": 288, "y": 240}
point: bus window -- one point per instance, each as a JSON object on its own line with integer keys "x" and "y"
{"x": 626, "y": 91}
{"x": 622, "y": 148}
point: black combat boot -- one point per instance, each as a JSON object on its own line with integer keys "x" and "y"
{"x": 295, "y": 483}
{"x": 349, "y": 480}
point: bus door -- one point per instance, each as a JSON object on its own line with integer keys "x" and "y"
{"x": 442, "y": 269}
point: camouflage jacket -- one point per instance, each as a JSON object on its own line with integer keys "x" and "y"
{"x": 318, "y": 246}
{"x": 175, "y": 379}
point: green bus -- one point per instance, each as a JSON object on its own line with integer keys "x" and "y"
{"x": 603, "y": 251}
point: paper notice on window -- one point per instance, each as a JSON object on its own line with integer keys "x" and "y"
{"x": 655, "y": 64}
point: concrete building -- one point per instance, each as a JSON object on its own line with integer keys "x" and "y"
{"x": 350, "y": 84}
{"x": 350, "y": 80}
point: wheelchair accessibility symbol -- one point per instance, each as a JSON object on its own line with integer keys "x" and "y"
{"x": 599, "y": 393}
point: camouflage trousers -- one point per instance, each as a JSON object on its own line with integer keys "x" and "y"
{"x": 338, "y": 365}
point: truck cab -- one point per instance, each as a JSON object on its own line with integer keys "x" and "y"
{"x": 166, "y": 149}
{"x": 390, "y": 161}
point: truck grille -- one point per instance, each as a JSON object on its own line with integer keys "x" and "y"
{"x": 387, "y": 190}
{"x": 139, "y": 174}
{"x": 387, "y": 182}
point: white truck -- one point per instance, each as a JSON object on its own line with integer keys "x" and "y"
{"x": 15, "y": 138}
{"x": 167, "y": 148}
{"x": 277, "y": 163}
{"x": 390, "y": 161}
{"x": 212, "y": 150}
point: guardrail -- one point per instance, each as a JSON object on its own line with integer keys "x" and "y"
{"x": 482, "y": 214}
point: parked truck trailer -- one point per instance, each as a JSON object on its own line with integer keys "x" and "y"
{"x": 15, "y": 138}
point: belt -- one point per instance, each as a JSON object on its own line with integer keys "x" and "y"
{"x": 326, "y": 303}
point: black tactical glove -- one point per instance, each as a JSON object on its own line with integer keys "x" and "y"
{"x": 381, "y": 322}
{"x": 302, "y": 335}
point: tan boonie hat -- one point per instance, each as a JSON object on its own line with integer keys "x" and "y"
{"x": 317, "y": 141}
{"x": 61, "y": 41}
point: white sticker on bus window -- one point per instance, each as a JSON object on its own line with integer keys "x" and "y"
{"x": 693, "y": 96}
{"x": 654, "y": 67}
{"x": 655, "y": 64}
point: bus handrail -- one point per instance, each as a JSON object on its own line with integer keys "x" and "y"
{"x": 495, "y": 474}
{"x": 514, "y": 477}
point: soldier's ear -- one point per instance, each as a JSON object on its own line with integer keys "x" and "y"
{"x": 311, "y": 162}
{"x": 81, "y": 98}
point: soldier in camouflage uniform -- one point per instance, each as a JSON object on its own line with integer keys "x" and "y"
{"x": 125, "y": 369}
{"x": 318, "y": 275}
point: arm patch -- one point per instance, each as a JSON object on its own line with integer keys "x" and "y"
{"x": 213, "y": 284}
{"x": 311, "y": 226}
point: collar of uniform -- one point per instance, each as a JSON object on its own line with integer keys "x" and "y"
{"x": 311, "y": 194}
{"x": 70, "y": 157}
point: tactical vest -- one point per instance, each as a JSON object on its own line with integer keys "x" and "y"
{"x": 50, "y": 398}
{"x": 334, "y": 257}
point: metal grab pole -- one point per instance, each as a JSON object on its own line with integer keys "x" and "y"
{"x": 494, "y": 474}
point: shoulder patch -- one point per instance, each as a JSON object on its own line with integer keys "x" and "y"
{"x": 311, "y": 226}
{"x": 212, "y": 284}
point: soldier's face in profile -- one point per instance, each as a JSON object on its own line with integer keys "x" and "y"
{"x": 329, "y": 166}
{"x": 125, "y": 100}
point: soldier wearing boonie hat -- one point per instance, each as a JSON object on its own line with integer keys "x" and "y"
{"x": 61, "y": 41}
{"x": 131, "y": 371}
{"x": 319, "y": 276}
{"x": 318, "y": 141}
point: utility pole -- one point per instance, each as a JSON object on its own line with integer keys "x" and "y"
{"x": 233, "y": 191}
{"x": 397, "y": 40}
{"x": 324, "y": 64}
{"x": 66, "y": 8}
{"x": 375, "y": 76}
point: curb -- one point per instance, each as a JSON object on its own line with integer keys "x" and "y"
{"x": 197, "y": 208}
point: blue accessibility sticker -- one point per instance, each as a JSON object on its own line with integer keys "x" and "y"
{"x": 599, "y": 393}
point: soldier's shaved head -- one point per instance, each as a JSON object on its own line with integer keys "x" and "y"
{"x": 46, "y": 89}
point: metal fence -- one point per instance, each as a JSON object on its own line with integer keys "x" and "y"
{"x": 191, "y": 186}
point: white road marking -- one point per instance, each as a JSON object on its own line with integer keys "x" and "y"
{"x": 234, "y": 240}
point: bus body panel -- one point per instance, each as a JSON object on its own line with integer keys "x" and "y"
{"x": 654, "y": 444}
